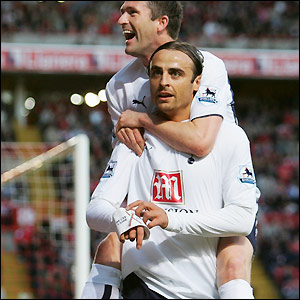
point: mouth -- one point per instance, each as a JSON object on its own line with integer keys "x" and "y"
{"x": 128, "y": 34}
{"x": 165, "y": 94}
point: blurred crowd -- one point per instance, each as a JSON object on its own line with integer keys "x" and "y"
{"x": 49, "y": 271}
{"x": 274, "y": 136}
{"x": 205, "y": 23}
{"x": 47, "y": 262}
{"x": 47, "y": 247}
{"x": 58, "y": 123}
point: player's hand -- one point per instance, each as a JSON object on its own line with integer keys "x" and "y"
{"x": 150, "y": 212}
{"x": 136, "y": 233}
{"x": 129, "y": 118}
{"x": 132, "y": 138}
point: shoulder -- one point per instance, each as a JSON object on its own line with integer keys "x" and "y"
{"x": 210, "y": 57}
{"x": 232, "y": 135}
{"x": 128, "y": 73}
{"x": 211, "y": 61}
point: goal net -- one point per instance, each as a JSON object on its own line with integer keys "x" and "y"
{"x": 45, "y": 241}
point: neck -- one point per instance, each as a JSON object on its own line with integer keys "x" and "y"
{"x": 145, "y": 59}
{"x": 177, "y": 117}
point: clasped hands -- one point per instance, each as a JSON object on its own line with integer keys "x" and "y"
{"x": 151, "y": 214}
{"x": 130, "y": 132}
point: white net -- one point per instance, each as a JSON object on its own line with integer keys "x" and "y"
{"x": 41, "y": 218}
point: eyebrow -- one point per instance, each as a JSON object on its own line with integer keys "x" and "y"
{"x": 122, "y": 9}
{"x": 176, "y": 69}
{"x": 155, "y": 68}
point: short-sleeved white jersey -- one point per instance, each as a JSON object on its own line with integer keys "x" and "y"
{"x": 214, "y": 96}
{"x": 130, "y": 89}
{"x": 183, "y": 265}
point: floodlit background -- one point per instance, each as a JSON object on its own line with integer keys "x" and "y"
{"x": 56, "y": 58}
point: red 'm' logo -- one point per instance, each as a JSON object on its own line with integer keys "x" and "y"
{"x": 167, "y": 187}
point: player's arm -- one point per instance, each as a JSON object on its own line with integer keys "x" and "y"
{"x": 239, "y": 194}
{"x": 229, "y": 221}
{"x": 196, "y": 137}
{"x": 111, "y": 190}
{"x": 131, "y": 137}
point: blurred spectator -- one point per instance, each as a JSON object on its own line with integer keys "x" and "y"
{"x": 8, "y": 214}
{"x": 7, "y": 132}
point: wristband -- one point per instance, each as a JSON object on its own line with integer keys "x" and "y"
{"x": 127, "y": 219}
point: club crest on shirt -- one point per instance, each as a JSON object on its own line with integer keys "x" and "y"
{"x": 207, "y": 95}
{"x": 167, "y": 187}
{"x": 246, "y": 175}
{"x": 109, "y": 171}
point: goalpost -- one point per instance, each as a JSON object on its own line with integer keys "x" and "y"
{"x": 48, "y": 189}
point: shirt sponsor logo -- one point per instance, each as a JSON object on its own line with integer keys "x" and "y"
{"x": 167, "y": 187}
{"x": 246, "y": 175}
{"x": 109, "y": 171}
{"x": 207, "y": 95}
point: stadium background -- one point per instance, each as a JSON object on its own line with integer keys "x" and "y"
{"x": 54, "y": 49}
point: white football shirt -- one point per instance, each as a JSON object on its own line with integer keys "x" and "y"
{"x": 211, "y": 197}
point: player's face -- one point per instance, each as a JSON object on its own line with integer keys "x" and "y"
{"x": 171, "y": 74}
{"x": 139, "y": 30}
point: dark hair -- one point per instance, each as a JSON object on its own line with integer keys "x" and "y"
{"x": 172, "y": 9}
{"x": 194, "y": 54}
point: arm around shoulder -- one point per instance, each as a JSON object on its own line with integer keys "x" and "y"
{"x": 196, "y": 137}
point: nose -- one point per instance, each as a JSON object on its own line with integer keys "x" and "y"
{"x": 164, "y": 80}
{"x": 123, "y": 19}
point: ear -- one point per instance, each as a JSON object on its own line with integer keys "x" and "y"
{"x": 196, "y": 83}
{"x": 163, "y": 22}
